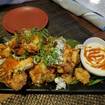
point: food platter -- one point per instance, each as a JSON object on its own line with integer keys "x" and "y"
{"x": 51, "y": 86}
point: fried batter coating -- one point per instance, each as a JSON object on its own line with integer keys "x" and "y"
{"x": 82, "y": 75}
{"x": 17, "y": 81}
{"x": 34, "y": 45}
{"x": 75, "y": 56}
{"x": 12, "y": 43}
{"x": 24, "y": 65}
{"x": 5, "y": 51}
{"x": 2, "y": 46}
{"x": 39, "y": 74}
{"x": 8, "y": 67}
{"x": 68, "y": 78}
{"x": 68, "y": 64}
{"x": 71, "y": 59}
{"x": 12, "y": 72}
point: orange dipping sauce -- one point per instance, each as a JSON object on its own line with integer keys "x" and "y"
{"x": 95, "y": 56}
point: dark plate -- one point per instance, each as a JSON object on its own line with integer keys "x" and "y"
{"x": 50, "y": 87}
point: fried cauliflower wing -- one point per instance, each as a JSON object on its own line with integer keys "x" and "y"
{"x": 12, "y": 72}
{"x": 71, "y": 59}
{"x": 17, "y": 81}
{"x": 68, "y": 63}
{"x": 39, "y": 74}
{"x": 82, "y": 75}
{"x": 7, "y": 68}
{"x": 5, "y": 51}
{"x": 34, "y": 45}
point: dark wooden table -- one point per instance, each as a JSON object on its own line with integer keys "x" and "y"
{"x": 90, "y": 27}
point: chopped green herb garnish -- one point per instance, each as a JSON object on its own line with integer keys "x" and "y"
{"x": 36, "y": 59}
{"x": 72, "y": 42}
{"x": 74, "y": 82}
{"x": 96, "y": 81}
{"x": 51, "y": 58}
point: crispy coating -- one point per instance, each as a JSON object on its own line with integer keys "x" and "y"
{"x": 82, "y": 75}
{"x": 24, "y": 65}
{"x": 12, "y": 65}
{"x": 68, "y": 78}
{"x": 17, "y": 81}
{"x": 75, "y": 56}
{"x": 5, "y": 51}
{"x": 7, "y": 68}
{"x": 32, "y": 48}
{"x": 39, "y": 74}
{"x": 34, "y": 45}
{"x": 2, "y": 46}
{"x": 19, "y": 51}
{"x": 68, "y": 64}
{"x": 12, "y": 72}
{"x": 12, "y": 43}
{"x": 71, "y": 59}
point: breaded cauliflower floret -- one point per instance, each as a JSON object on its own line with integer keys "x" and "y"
{"x": 82, "y": 75}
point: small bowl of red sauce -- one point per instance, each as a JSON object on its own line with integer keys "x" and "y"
{"x": 93, "y": 56}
